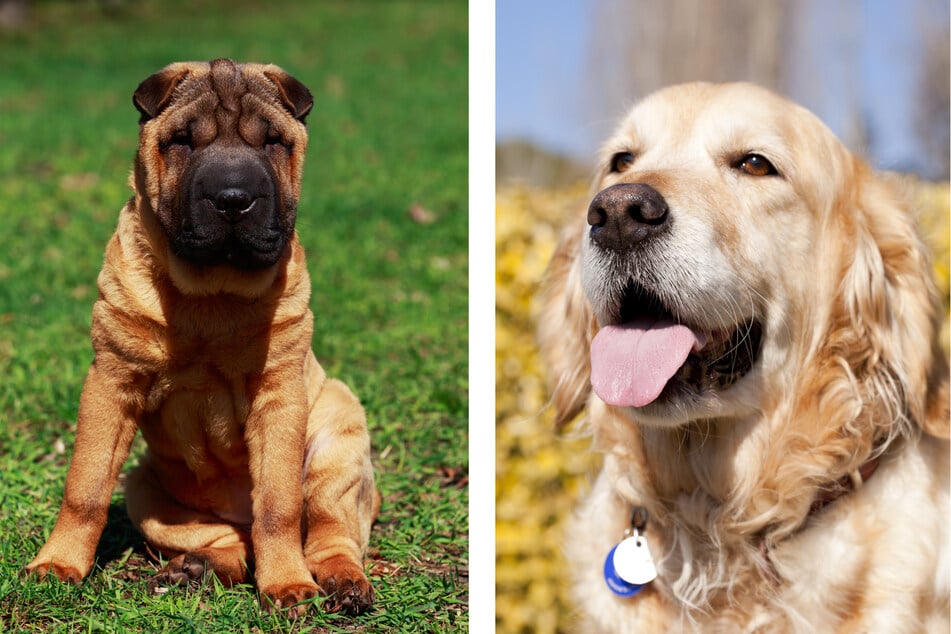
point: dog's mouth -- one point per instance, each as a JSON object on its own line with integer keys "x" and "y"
{"x": 648, "y": 354}
{"x": 249, "y": 239}
{"x": 243, "y": 252}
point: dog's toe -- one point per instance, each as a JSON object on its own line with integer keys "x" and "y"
{"x": 186, "y": 569}
{"x": 66, "y": 574}
{"x": 292, "y": 597}
{"x": 347, "y": 595}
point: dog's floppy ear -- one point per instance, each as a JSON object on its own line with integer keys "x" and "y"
{"x": 885, "y": 327}
{"x": 155, "y": 92}
{"x": 937, "y": 418}
{"x": 295, "y": 95}
{"x": 566, "y": 327}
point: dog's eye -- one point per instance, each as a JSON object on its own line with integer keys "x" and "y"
{"x": 756, "y": 165}
{"x": 181, "y": 138}
{"x": 274, "y": 139}
{"x": 621, "y": 161}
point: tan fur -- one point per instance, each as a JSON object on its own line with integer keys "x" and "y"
{"x": 214, "y": 365}
{"x": 850, "y": 368}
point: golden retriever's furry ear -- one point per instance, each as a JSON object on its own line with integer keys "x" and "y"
{"x": 566, "y": 327}
{"x": 885, "y": 327}
{"x": 937, "y": 418}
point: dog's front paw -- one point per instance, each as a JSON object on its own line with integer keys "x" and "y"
{"x": 345, "y": 585}
{"x": 66, "y": 574}
{"x": 290, "y": 596}
{"x": 349, "y": 595}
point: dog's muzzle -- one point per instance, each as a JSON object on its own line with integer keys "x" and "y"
{"x": 230, "y": 213}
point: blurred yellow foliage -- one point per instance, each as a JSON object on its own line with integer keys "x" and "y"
{"x": 540, "y": 473}
{"x": 933, "y": 202}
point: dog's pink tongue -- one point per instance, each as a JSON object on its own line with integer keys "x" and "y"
{"x": 631, "y": 363}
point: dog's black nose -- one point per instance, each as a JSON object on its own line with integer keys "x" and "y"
{"x": 233, "y": 202}
{"x": 622, "y": 215}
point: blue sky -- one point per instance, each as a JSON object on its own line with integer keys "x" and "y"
{"x": 541, "y": 48}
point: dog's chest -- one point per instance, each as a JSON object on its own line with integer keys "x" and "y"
{"x": 202, "y": 364}
{"x": 196, "y": 442}
{"x": 198, "y": 414}
{"x": 201, "y": 395}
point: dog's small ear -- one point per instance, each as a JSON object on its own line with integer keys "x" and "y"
{"x": 566, "y": 326}
{"x": 153, "y": 94}
{"x": 295, "y": 95}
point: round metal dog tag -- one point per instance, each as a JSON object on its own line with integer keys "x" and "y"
{"x": 633, "y": 562}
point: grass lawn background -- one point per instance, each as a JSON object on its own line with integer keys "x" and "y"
{"x": 383, "y": 217}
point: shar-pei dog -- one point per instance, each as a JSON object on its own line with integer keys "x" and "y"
{"x": 258, "y": 464}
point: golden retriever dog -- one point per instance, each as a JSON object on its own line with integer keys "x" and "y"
{"x": 748, "y": 317}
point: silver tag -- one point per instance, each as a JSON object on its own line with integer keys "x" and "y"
{"x": 633, "y": 562}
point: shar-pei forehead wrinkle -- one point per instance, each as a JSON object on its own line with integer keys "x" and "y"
{"x": 228, "y": 83}
{"x": 231, "y": 83}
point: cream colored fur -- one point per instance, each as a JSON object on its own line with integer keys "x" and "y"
{"x": 850, "y": 370}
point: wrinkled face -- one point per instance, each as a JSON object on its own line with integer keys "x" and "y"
{"x": 700, "y": 251}
{"x": 222, "y": 148}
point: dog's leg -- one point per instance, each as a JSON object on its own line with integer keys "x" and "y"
{"x": 197, "y": 543}
{"x": 340, "y": 499}
{"x": 104, "y": 431}
{"x": 275, "y": 434}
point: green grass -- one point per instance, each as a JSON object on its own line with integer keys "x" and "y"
{"x": 389, "y": 131}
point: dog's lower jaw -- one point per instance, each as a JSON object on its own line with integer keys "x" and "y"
{"x": 688, "y": 408}
{"x": 190, "y": 279}
{"x": 196, "y": 280}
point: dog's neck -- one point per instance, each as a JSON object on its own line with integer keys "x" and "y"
{"x": 705, "y": 455}
{"x": 736, "y": 476}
